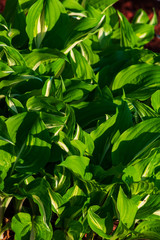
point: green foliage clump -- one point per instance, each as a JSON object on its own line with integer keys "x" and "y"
{"x": 79, "y": 121}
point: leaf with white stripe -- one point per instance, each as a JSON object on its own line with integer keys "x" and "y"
{"x": 44, "y": 15}
{"x": 38, "y": 191}
{"x": 96, "y": 223}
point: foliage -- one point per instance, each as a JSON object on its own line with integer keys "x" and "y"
{"x": 79, "y": 121}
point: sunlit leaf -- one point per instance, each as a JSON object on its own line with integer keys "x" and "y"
{"x": 127, "y": 208}
{"x": 76, "y": 164}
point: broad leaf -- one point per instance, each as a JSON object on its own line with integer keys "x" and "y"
{"x": 138, "y": 81}
{"x": 72, "y": 5}
{"x": 38, "y": 56}
{"x": 101, "y": 4}
{"x": 150, "y": 206}
{"x": 96, "y": 223}
{"x": 127, "y": 35}
{"x": 76, "y": 164}
{"x": 127, "y": 208}
{"x": 108, "y": 132}
{"x": 14, "y": 105}
{"x": 6, "y": 153}
{"x": 75, "y": 230}
{"x": 155, "y": 100}
{"x": 21, "y": 225}
{"x": 32, "y": 146}
{"x": 135, "y": 141}
{"x": 87, "y": 112}
{"x": 38, "y": 191}
{"x": 140, "y": 17}
{"x": 27, "y": 228}
{"x": 5, "y": 70}
{"x": 144, "y": 33}
{"x": 149, "y": 229}
{"x": 44, "y": 15}
{"x": 80, "y": 66}
{"x": 13, "y": 55}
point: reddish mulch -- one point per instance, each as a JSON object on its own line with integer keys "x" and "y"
{"x": 129, "y": 8}
{"x": 8, "y": 235}
{"x": 2, "y": 4}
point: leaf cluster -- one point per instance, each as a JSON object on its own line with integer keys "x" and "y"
{"x": 79, "y": 122}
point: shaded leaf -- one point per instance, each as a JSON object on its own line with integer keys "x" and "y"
{"x": 135, "y": 141}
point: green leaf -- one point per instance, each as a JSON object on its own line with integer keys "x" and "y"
{"x": 96, "y": 223}
{"x": 82, "y": 30}
{"x": 5, "y": 70}
{"x": 73, "y": 95}
{"x": 107, "y": 133}
{"x": 27, "y": 228}
{"x": 138, "y": 169}
{"x": 87, "y": 112}
{"x": 140, "y": 17}
{"x": 80, "y": 66}
{"x": 77, "y": 164}
{"x": 154, "y": 20}
{"x": 63, "y": 180}
{"x": 155, "y": 101}
{"x": 72, "y": 5}
{"x": 144, "y": 32}
{"x": 6, "y": 153}
{"x": 88, "y": 53}
{"x": 149, "y": 229}
{"x": 75, "y": 229}
{"x": 101, "y": 4}
{"x": 13, "y": 56}
{"x": 142, "y": 188}
{"x": 38, "y": 191}
{"x": 32, "y": 150}
{"x": 22, "y": 225}
{"x": 44, "y": 104}
{"x": 121, "y": 231}
{"x": 22, "y": 83}
{"x": 135, "y": 141}
{"x": 85, "y": 138}
{"x": 38, "y": 56}
{"x": 56, "y": 201}
{"x": 143, "y": 110}
{"x": 14, "y": 105}
{"x": 149, "y": 206}
{"x": 44, "y": 14}
{"x": 4, "y": 38}
{"x": 102, "y": 136}
{"x": 54, "y": 68}
{"x": 138, "y": 81}
{"x": 4, "y": 135}
{"x": 127, "y": 208}
{"x": 41, "y": 230}
{"x": 127, "y": 35}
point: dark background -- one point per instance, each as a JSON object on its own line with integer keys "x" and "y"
{"x": 129, "y": 8}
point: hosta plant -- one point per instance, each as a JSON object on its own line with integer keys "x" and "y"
{"x": 79, "y": 122}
